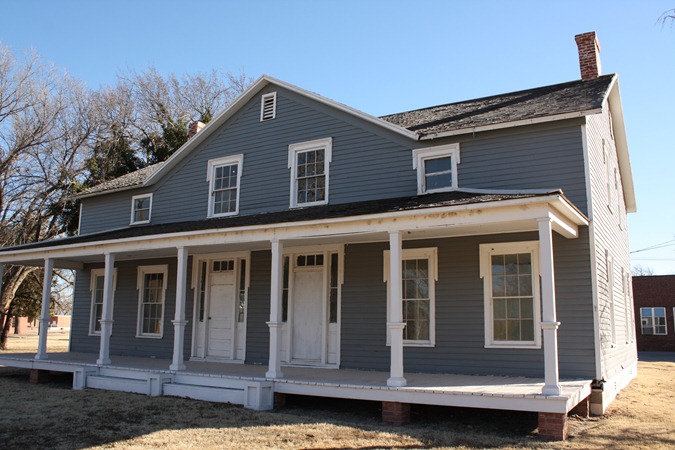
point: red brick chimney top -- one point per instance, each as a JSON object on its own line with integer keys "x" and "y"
{"x": 589, "y": 55}
{"x": 194, "y": 128}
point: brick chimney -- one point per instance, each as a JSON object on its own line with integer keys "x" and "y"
{"x": 194, "y": 128}
{"x": 589, "y": 55}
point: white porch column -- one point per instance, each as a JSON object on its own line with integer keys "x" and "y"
{"x": 179, "y": 321}
{"x": 44, "y": 315}
{"x": 275, "y": 323}
{"x": 548, "y": 316}
{"x": 395, "y": 325}
{"x": 106, "y": 315}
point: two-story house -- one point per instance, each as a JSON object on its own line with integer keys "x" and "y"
{"x": 468, "y": 254}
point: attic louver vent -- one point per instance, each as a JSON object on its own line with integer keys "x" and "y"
{"x": 268, "y": 107}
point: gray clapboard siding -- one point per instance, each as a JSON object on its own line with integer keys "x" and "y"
{"x": 369, "y": 163}
{"x": 123, "y": 341}
{"x": 460, "y": 313}
{"x": 258, "y": 309}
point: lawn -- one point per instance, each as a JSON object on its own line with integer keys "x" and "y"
{"x": 54, "y": 416}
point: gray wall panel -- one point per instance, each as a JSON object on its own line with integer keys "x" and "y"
{"x": 123, "y": 341}
{"x": 369, "y": 163}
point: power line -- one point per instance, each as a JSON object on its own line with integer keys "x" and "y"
{"x": 656, "y": 246}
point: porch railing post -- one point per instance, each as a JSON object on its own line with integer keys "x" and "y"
{"x": 276, "y": 310}
{"x": 395, "y": 324}
{"x": 106, "y": 315}
{"x": 549, "y": 324}
{"x": 179, "y": 321}
{"x": 44, "y": 314}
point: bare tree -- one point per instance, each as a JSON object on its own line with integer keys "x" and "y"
{"x": 46, "y": 123}
{"x": 639, "y": 270}
{"x": 668, "y": 16}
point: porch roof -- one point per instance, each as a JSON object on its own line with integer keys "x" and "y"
{"x": 449, "y": 213}
{"x": 444, "y": 199}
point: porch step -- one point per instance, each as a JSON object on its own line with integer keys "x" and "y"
{"x": 117, "y": 384}
{"x": 253, "y": 394}
{"x": 208, "y": 393}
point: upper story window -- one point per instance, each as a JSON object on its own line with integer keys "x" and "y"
{"x": 510, "y": 273}
{"x": 653, "y": 321}
{"x": 436, "y": 168}
{"x": 224, "y": 175}
{"x": 141, "y": 207}
{"x": 268, "y": 106}
{"x": 309, "y": 163}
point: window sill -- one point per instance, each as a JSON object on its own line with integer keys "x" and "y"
{"x": 416, "y": 344}
{"x": 213, "y": 216}
{"x": 149, "y": 336}
{"x": 434, "y": 191}
{"x": 142, "y": 222}
{"x": 304, "y": 205}
{"x": 95, "y": 334}
{"x": 511, "y": 345}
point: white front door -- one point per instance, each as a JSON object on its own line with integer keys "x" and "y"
{"x": 221, "y": 317}
{"x": 308, "y": 316}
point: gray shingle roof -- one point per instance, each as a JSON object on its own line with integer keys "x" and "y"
{"x": 392, "y": 205}
{"x": 564, "y": 98}
{"x": 127, "y": 181}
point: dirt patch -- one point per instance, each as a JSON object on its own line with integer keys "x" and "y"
{"x": 54, "y": 416}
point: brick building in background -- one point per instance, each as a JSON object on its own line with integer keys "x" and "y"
{"x": 654, "y": 298}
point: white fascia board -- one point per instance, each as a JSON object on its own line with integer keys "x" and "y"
{"x": 515, "y": 123}
{"x": 244, "y": 98}
{"x": 616, "y": 110}
{"x": 430, "y": 218}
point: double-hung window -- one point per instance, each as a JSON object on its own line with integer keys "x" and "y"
{"x": 96, "y": 286}
{"x": 510, "y": 273}
{"x": 224, "y": 177}
{"x": 418, "y": 295}
{"x": 436, "y": 168}
{"x": 141, "y": 207}
{"x": 151, "y": 286}
{"x": 653, "y": 321}
{"x": 309, "y": 163}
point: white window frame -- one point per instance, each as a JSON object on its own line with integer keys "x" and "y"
{"x": 293, "y": 150}
{"x": 652, "y": 316}
{"x": 431, "y": 254}
{"x": 273, "y": 96}
{"x": 92, "y": 289}
{"x": 133, "y": 209}
{"x": 509, "y": 248}
{"x": 210, "y": 177}
{"x": 421, "y": 155}
{"x": 142, "y": 271}
{"x": 611, "y": 295}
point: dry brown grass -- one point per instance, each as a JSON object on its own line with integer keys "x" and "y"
{"x": 53, "y": 416}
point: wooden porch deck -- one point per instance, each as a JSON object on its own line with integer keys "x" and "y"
{"x": 477, "y": 391}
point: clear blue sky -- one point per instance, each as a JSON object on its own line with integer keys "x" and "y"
{"x": 389, "y": 56}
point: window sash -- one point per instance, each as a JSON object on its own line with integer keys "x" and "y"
{"x": 141, "y": 208}
{"x": 152, "y": 283}
{"x": 310, "y": 176}
{"x": 510, "y": 275}
{"x": 436, "y": 178}
{"x": 653, "y": 321}
{"x": 225, "y": 187}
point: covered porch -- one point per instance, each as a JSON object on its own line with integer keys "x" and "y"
{"x": 394, "y": 223}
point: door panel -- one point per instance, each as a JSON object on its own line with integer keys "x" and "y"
{"x": 221, "y": 315}
{"x": 308, "y": 321}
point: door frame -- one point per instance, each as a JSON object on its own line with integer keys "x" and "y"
{"x": 200, "y": 327}
{"x": 287, "y": 329}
